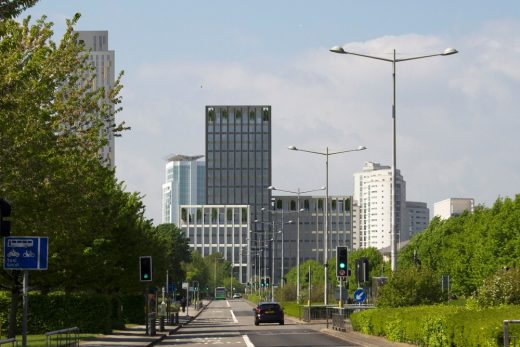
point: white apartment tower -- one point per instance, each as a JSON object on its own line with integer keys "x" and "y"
{"x": 373, "y": 206}
{"x": 96, "y": 42}
{"x": 185, "y": 185}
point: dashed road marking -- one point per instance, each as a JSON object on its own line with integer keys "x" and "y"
{"x": 247, "y": 341}
{"x": 235, "y": 320}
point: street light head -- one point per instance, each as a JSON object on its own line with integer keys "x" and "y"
{"x": 292, "y": 148}
{"x": 449, "y": 51}
{"x": 323, "y": 188}
{"x": 271, "y": 188}
{"x": 290, "y": 222}
{"x": 360, "y": 148}
{"x": 256, "y": 221}
{"x": 338, "y": 49}
{"x": 302, "y": 210}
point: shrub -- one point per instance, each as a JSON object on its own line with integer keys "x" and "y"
{"x": 411, "y": 286}
{"x": 438, "y": 325}
{"x": 503, "y": 288}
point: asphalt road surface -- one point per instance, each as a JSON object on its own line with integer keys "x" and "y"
{"x": 230, "y": 323}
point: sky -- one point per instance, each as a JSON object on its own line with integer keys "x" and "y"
{"x": 458, "y": 118}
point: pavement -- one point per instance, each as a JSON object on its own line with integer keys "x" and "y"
{"x": 136, "y": 336}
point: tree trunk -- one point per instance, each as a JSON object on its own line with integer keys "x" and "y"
{"x": 15, "y": 296}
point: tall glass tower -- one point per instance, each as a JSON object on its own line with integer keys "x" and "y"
{"x": 238, "y": 171}
{"x": 238, "y": 156}
{"x": 185, "y": 185}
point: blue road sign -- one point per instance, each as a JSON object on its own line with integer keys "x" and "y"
{"x": 171, "y": 287}
{"x": 359, "y": 295}
{"x": 26, "y": 253}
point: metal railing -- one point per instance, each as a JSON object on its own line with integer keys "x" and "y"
{"x": 62, "y": 338}
{"x": 507, "y": 338}
{"x": 12, "y": 341}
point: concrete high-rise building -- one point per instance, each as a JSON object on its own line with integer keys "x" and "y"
{"x": 96, "y": 42}
{"x": 453, "y": 207}
{"x": 185, "y": 185}
{"x": 373, "y": 200}
{"x": 418, "y": 217}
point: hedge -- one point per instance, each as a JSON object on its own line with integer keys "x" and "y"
{"x": 438, "y": 325}
{"x": 91, "y": 313}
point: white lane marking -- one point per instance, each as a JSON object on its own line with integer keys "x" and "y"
{"x": 235, "y": 320}
{"x": 247, "y": 341}
{"x": 228, "y": 305}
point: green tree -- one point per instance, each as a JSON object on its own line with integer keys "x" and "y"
{"x": 176, "y": 250}
{"x": 51, "y": 133}
{"x": 12, "y": 8}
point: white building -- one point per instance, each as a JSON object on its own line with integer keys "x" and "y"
{"x": 373, "y": 206}
{"x": 185, "y": 185}
{"x": 418, "y": 218}
{"x": 223, "y": 229}
{"x": 453, "y": 207}
{"x": 103, "y": 59}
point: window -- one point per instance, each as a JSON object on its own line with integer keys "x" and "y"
{"x": 265, "y": 114}
{"x": 293, "y": 205}
{"x": 306, "y": 204}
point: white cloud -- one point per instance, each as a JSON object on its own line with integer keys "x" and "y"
{"x": 457, "y": 116}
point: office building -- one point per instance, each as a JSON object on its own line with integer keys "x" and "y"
{"x": 223, "y": 229}
{"x": 373, "y": 197}
{"x": 96, "y": 42}
{"x": 312, "y": 219}
{"x": 238, "y": 162}
{"x": 418, "y": 218}
{"x": 185, "y": 185}
{"x": 453, "y": 207}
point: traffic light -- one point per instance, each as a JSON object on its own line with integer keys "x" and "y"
{"x": 362, "y": 270}
{"x": 145, "y": 269}
{"x": 267, "y": 281}
{"x": 341, "y": 261}
{"x": 262, "y": 283}
{"x": 5, "y": 212}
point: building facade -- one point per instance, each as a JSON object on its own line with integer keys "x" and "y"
{"x": 238, "y": 162}
{"x": 284, "y": 231}
{"x": 184, "y": 185}
{"x": 453, "y": 207}
{"x": 418, "y": 218}
{"x": 223, "y": 229}
{"x": 103, "y": 59}
{"x": 373, "y": 200}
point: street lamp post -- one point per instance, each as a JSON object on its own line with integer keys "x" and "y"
{"x": 272, "y": 251}
{"x": 394, "y": 60}
{"x": 298, "y": 192}
{"x": 325, "y": 226}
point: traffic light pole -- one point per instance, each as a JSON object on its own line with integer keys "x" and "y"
{"x": 340, "y": 292}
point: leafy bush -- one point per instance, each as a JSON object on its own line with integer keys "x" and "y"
{"x": 91, "y": 313}
{"x": 438, "y": 325}
{"x": 411, "y": 286}
{"x": 503, "y": 288}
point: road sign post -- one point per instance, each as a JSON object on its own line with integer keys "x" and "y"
{"x": 25, "y": 253}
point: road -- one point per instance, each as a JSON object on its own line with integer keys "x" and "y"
{"x": 230, "y": 323}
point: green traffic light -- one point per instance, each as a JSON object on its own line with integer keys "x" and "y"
{"x": 145, "y": 276}
{"x": 342, "y": 265}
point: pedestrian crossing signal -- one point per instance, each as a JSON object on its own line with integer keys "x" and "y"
{"x": 145, "y": 269}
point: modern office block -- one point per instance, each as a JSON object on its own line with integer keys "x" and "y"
{"x": 312, "y": 220}
{"x": 373, "y": 197}
{"x": 238, "y": 162}
{"x": 223, "y": 229}
{"x": 453, "y": 207}
{"x": 418, "y": 218}
{"x": 185, "y": 185}
{"x": 103, "y": 59}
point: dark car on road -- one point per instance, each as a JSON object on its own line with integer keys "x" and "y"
{"x": 269, "y": 312}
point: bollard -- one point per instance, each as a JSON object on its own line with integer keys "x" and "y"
{"x": 176, "y": 321}
{"x": 161, "y": 324}
{"x": 152, "y": 324}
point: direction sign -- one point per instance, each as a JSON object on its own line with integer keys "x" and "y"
{"x": 26, "y": 253}
{"x": 359, "y": 295}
